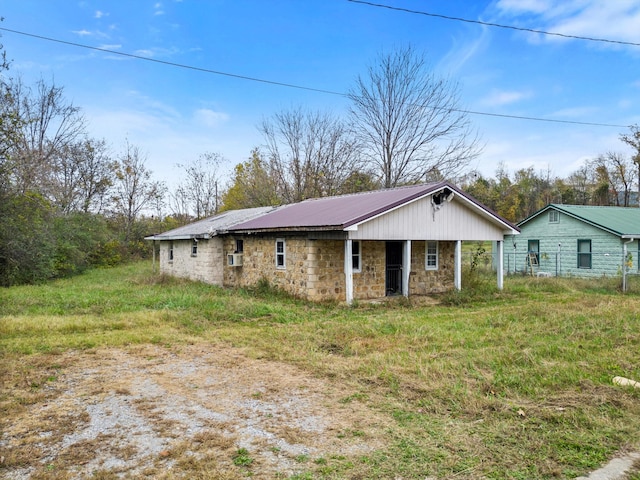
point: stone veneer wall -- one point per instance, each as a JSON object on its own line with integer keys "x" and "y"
{"x": 425, "y": 282}
{"x": 315, "y": 268}
{"x": 206, "y": 266}
{"x": 259, "y": 262}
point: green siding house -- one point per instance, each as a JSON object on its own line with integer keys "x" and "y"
{"x": 575, "y": 240}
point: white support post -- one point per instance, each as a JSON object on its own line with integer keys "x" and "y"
{"x": 457, "y": 275}
{"x": 348, "y": 270}
{"x": 500, "y": 263}
{"x": 406, "y": 267}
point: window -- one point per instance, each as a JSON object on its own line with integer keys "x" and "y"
{"x": 356, "y": 257}
{"x": 584, "y": 253}
{"x": 431, "y": 262}
{"x": 171, "y": 251}
{"x": 533, "y": 252}
{"x": 554, "y": 216}
{"x": 194, "y": 248}
{"x": 280, "y": 254}
{"x": 239, "y": 246}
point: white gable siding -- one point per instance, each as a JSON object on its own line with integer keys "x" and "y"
{"x": 418, "y": 221}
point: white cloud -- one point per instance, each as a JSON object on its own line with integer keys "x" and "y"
{"x": 210, "y": 118}
{"x": 100, "y": 14}
{"x": 583, "y": 113}
{"x": 110, "y": 47}
{"x": 499, "y": 98}
{"x": 613, "y": 20}
{"x": 464, "y": 51}
{"x": 82, "y": 33}
{"x": 144, "y": 53}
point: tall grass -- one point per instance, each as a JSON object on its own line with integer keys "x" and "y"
{"x": 494, "y": 384}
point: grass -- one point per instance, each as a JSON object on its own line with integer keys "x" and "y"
{"x": 501, "y": 385}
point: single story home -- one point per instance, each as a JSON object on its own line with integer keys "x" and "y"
{"x": 400, "y": 241}
{"x": 576, "y": 240}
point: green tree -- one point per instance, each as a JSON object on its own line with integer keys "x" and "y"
{"x": 252, "y": 185}
{"x": 27, "y": 240}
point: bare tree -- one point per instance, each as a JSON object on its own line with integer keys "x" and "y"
{"x": 619, "y": 172}
{"x": 133, "y": 190}
{"x": 48, "y": 125}
{"x": 411, "y": 121}
{"x": 198, "y": 192}
{"x": 82, "y": 173}
{"x": 311, "y": 154}
{"x": 633, "y": 140}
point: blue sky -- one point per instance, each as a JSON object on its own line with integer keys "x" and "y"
{"x": 175, "y": 114}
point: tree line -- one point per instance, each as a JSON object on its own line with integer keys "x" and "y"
{"x": 69, "y": 202}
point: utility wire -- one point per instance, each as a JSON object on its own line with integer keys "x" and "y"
{"x": 171, "y": 64}
{"x": 289, "y": 85}
{"x": 489, "y": 24}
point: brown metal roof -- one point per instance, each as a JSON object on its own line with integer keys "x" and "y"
{"x": 331, "y": 213}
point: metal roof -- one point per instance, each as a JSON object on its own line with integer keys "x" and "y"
{"x": 334, "y": 212}
{"x": 621, "y": 221}
{"x": 340, "y": 212}
{"x": 212, "y": 226}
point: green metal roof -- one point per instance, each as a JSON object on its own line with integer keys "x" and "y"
{"x": 621, "y": 221}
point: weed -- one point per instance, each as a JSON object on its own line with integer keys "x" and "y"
{"x": 242, "y": 458}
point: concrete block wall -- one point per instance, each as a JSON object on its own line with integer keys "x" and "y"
{"x": 206, "y": 266}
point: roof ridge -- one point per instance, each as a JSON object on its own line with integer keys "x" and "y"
{"x": 370, "y": 192}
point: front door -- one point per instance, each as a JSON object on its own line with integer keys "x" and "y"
{"x": 393, "y": 283}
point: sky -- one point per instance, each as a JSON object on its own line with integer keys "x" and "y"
{"x": 176, "y": 113}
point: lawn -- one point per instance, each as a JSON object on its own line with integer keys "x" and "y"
{"x": 483, "y": 384}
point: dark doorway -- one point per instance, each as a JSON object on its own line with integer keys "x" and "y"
{"x": 393, "y": 282}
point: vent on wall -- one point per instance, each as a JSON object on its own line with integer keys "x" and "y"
{"x": 234, "y": 259}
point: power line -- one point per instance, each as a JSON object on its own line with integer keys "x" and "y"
{"x": 289, "y": 85}
{"x": 171, "y": 64}
{"x": 489, "y": 24}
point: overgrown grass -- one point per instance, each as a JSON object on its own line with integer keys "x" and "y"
{"x": 502, "y": 385}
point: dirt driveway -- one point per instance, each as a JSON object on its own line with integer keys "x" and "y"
{"x": 193, "y": 411}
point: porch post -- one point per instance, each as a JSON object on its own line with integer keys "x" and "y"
{"x": 457, "y": 273}
{"x": 406, "y": 267}
{"x": 153, "y": 264}
{"x": 348, "y": 270}
{"x": 500, "y": 263}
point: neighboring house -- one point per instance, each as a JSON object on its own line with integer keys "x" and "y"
{"x": 576, "y": 240}
{"x": 402, "y": 241}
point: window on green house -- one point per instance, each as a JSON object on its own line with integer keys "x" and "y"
{"x": 533, "y": 248}
{"x": 554, "y": 216}
{"x": 584, "y": 253}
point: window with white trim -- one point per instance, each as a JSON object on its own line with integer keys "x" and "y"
{"x": 281, "y": 254}
{"x": 554, "y": 216}
{"x": 584, "y": 253}
{"x": 356, "y": 256}
{"x": 171, "y": 251}
{"x": 431, "y": 256}
{"x": 194, "y": 248}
